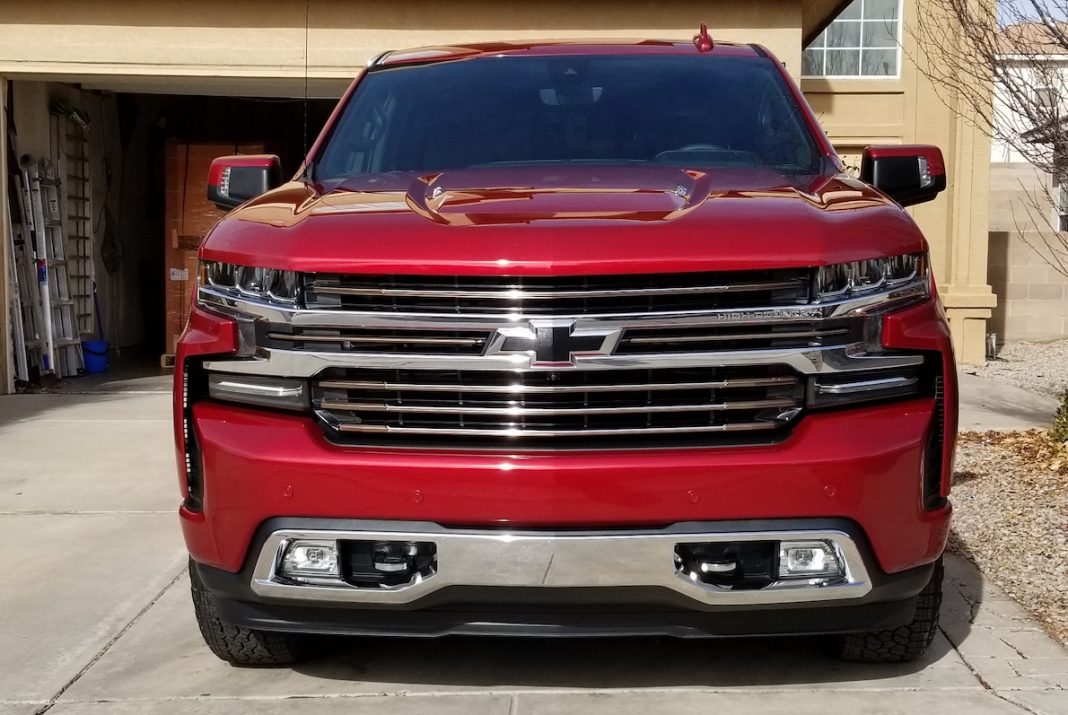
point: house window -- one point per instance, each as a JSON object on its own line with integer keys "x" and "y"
{"x": 1046, "y": 97}
{"x": 1060, "y": 211}
{"x": 864, "y": 41}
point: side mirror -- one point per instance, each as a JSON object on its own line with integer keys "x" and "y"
{"x": 907, "y": 174}
{"x": 233, "y": 180}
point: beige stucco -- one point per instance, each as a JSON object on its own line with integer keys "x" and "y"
{"x": 268, "y": 47}
{"x": 912, "y": 109}
{"x": 1032, "y": 293}
{"x": 126, "y": 42}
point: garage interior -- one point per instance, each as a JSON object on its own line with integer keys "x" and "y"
{"x": 132, "y": 164}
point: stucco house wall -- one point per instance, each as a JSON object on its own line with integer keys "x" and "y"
{"x": 1032, "y": 294}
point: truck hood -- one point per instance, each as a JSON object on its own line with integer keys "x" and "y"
{"x": 546, "y": 220}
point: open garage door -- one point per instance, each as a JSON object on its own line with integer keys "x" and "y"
{"x": 141, "y": 201}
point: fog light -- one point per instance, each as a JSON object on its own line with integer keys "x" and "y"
{"x": 310, "y": 560}
{"x": 805, "y": 559}
{"x": 393, "y": 556}
{"x": 388, "y": 564}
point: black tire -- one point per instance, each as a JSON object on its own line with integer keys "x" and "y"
{"x": 904, "y": 643}
{"x": 238, "y": 645}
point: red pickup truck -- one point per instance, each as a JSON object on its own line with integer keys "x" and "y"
{"x": 557, "y": 339}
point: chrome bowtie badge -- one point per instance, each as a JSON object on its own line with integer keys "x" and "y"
{"x": 553, "y": 343}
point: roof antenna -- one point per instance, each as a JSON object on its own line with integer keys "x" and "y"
{"x": 702, "y": 40}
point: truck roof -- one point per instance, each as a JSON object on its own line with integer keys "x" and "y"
{"x": 443, "y": 53}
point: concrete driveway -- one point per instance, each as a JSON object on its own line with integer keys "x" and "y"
{"x": 987, "y": 404}
{"x": 96, "y": 616}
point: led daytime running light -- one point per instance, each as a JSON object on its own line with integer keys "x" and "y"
{"x": 269, "y": 284}
{"x": 876, "y": 275}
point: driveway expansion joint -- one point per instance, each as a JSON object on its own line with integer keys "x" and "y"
{"x": 111, "y": 642}
{"x": 982, "y": 681}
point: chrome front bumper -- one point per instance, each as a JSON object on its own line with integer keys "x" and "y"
{"x": 602, "y": 559}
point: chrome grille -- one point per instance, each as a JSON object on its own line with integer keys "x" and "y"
{"x": 661, "y": 339}
{"x": 712, "y": 338}
{"x": 433, "y": 342}
{"x": 557, "y": 296}
{"x": 570, "y": 408}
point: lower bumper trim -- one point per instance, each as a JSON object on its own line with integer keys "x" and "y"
{"x": 564, "y": 560}
{"x": 551, "y": 611}
{"x": 567, "y": 623}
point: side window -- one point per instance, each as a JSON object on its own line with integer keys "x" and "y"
{"x": 783, "y": 136}
{"x": 361, "y": 137}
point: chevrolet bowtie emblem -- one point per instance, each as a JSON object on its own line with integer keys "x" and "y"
{"x": 553, "y": 343}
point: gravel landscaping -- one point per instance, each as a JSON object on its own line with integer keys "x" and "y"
{"x": 1039, "y": 367}
{"x": 1010, "y": 495}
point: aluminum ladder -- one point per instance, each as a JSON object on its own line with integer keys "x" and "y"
{"x": 29, "y": 338}
{"x": 70, "y": 151}
{"x": 61, "y": 349}
{"x": 18, "y": 327}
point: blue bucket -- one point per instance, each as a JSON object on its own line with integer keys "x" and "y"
{"x": 95, "y": 353}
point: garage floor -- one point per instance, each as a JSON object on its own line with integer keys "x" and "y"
{"x": 96, "y": 616}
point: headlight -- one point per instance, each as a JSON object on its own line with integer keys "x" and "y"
{"x": 269, "y": 284}
{"x": 898, "y": 277}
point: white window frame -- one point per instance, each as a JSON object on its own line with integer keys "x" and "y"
{"x": 1046, "y": 95}
{"x": 1060, "y": 198}
{"x": 861, "y": 22}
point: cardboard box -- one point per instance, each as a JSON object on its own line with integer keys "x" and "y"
{"x": 189, "y": 217}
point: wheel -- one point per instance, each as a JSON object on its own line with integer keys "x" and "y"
{"x": 904, "y": 643}
{"x": 238, "y": 645}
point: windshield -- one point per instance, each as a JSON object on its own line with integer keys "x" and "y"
{"x": 685, "y": 111}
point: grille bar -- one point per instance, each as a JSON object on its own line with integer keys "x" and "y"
{"x": 573, "y": 296}
{"x": 547, "y": 389}
{"x": 523, "y": 432}
{"x": 551, "y": 412}
{"x": 715, "y": 338}
{"x": 517, "y": 293}
{"x": 732, "y": 337}
{"x": 376, "y": 339}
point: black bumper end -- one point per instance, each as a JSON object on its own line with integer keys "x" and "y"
{"x": 795, "y": 621}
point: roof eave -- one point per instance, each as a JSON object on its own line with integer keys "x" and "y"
{"x": 816, "y": 15}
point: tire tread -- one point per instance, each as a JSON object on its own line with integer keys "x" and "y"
{"x": 904, "y": 643}
{"x": 236, "y": 644}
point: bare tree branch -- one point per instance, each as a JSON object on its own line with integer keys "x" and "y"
{"x": 1039, "y": 229}
{"x": 966, "y": 47}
